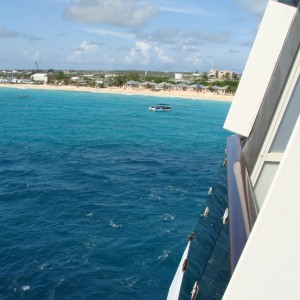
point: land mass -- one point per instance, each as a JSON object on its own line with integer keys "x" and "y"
{"x": 125, "y": 90}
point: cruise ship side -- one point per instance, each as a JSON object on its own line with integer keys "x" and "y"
{"x": 262, "y": 170}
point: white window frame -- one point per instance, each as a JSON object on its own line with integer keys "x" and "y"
{"x": 265, "y": 155}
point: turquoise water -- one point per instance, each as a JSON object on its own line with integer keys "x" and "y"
{"x": 98, "y": 194}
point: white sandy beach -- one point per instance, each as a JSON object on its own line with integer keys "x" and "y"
{"x": 195, "y": 95}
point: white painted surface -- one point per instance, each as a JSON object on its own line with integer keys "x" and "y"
{"x": 39, "y": 77}
{"x": 259, "y": 67}
{"x": 270, "y": 263}
{"x": 174, "y": 289}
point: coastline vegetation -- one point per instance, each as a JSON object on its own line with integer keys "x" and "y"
{"x": 119, "y": 78}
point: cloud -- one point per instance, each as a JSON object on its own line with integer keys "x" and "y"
{"x": 255, "y": 6}
{"x": 195, "y": 60}
{"x": 4, "y": 33}
{"x": 165, "y": 35}
{"x": 187, "y": 10}
{"x": 189, "y": 47}
{"x": 32, "y": 57}
{"x": 109, "y": 60}
{"x": 83, "y": 51}
{"x": 122, "y": 35}
{"x": 89, "y": 46}
{"x": 162, "y": 56}
{"x": 34, "y": 38}
{"x": 212, "y": 37}
{"x": 247, "y": 44}
{"x": 139, "y": 54}
{"x": 128, "y": 13}
{"x": 232, "y": 51}
{"x": 191, "y": 37}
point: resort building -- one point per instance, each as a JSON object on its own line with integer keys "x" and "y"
{"x": 217, "y": 74}
{"x": 39, "y": 78}
{"x": 178, "y": 76}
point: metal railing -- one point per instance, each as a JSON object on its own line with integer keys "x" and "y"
{"x": 241, "y": 201}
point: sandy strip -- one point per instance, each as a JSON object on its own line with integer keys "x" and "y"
{"x": 195, "y": 95}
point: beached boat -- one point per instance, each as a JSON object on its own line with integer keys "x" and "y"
{"x": 160, "y": 107}
{"x": 262, "y": 167}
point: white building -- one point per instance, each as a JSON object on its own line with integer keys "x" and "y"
{"x": 39, "y": 78}
{"x": 220, "y": 74}
{"x": 178, "y": 76}
{"x": 75, "y": 79}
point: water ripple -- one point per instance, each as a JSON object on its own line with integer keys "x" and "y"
{"x": 97, "y": 194}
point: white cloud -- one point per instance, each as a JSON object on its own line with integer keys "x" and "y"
{"x": 36, "y": 56}
{"x": 31, "y": 56}
{"x": 139, "y": 54}
{"x": 82, "y": 52}
{"x": 161, "y": 56}
{"x": 195, "y": 60}
{"x": 122, "y": 35}
{"x": 88, "y": 46}
{"x": 128, "y": 13}
{"x": 187, "y": 47}
{"x": 187, "y": 10}
{"x": 255, "y": 6}
{"x": 109, "y": 60}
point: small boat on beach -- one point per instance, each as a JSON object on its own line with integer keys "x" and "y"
{"x": 160, "y": 107}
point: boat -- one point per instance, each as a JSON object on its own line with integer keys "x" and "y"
{"x": 262, "y": 170}
{"x": 160, "y": 107}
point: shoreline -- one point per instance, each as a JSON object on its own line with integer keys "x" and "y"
{"x": 194, "y": 95}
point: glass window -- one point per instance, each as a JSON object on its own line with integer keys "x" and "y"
{"x": 264, "y": 181}
{"x": 288, "y": 121}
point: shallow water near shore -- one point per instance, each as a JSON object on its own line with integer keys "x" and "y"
{"x": 99, "y": 195}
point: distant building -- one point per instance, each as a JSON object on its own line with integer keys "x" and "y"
{"x": 26, "y": 81}
{"x": 197, "y": 74}
{"x": 110, "y": 75}
{"x": 213, "y": 73}
{"x": 39, "y": 78}
{"x": 224, "y": 74}
{"x": 75, "y": 79}
{"x": 15, "y": 80}
{"x": 178, "y": 76}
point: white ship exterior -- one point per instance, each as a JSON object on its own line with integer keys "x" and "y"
{"x": 263, "y": 165}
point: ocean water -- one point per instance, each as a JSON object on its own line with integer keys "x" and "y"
{"x": 98, "y": 195}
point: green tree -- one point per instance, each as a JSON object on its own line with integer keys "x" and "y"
{"x": 227, "y": 75}
{"x": 66, "y": 80}
{"x": 133, "y": 76}
{"x": 205, "y": 76}
{"x": 60, "y": 75}
{"x": 119, "y": 80}
{"x": 235, "y": 76}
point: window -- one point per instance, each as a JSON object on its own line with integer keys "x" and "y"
{"x": 278, "y": 135}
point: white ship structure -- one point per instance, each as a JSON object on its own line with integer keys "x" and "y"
{"x": 262, "y": 167}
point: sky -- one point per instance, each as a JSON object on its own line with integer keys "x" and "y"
{"x": 148, "y": 35}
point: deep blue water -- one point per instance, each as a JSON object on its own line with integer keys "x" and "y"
{"x": 97, "y": 194}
